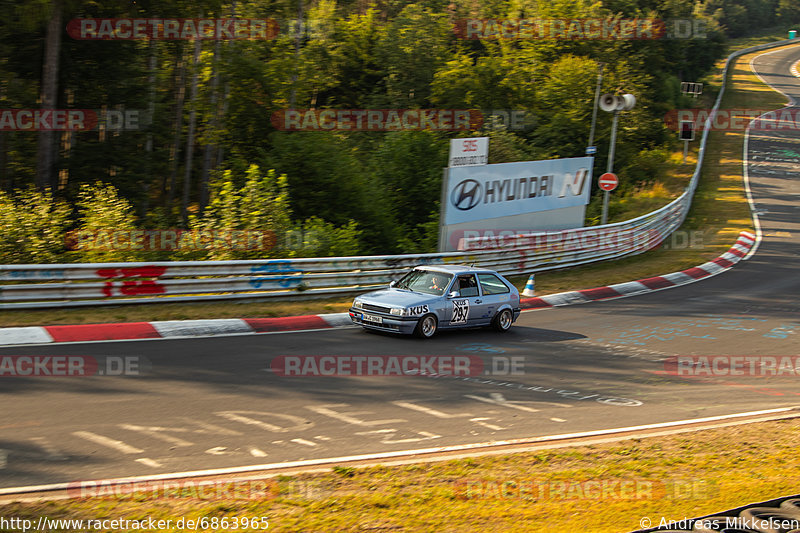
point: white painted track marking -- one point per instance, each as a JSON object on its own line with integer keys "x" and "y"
{"x": 430, "y": 411}
{"x": 498, "y": 399}
{"x": 305, "y": 442}
{"x": 349, "y": 417}
{"x": 156, "y": 432}
{"x": 382, "y": 456}
{"x": 480, "y": 422}
{"x": 108, "y": 442}
{"x": 149, "y": 462}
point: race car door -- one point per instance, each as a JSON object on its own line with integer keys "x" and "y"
{"x": 494, "y": 293}
{"x": 467, "y": 309}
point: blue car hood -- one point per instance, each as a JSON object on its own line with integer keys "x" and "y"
{"x": 397, "y": 297}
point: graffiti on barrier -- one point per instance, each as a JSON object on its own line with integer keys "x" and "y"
{"x": 31, "y": 274}
{"x": 285, "y": 275}
{"x": 132, "y": 287}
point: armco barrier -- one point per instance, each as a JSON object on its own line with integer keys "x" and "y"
{"x": 44, "y": 286}
{"x": 117, "y": 283}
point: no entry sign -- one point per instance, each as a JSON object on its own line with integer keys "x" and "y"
{"x": 608, "y": 181}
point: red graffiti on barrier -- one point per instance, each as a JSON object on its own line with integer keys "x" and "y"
{"x": 148, "y": 271}
{"x": 133, "y": 288}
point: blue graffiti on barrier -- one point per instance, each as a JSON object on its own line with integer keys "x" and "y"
{"x": 286, "y": 275}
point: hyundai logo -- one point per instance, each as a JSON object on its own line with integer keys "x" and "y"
{"x": 466, "y": 195}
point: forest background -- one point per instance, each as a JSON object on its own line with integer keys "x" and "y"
{"x": 201, "y": 150}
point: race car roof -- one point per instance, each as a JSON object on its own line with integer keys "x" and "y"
{"x": 452, "y": 269}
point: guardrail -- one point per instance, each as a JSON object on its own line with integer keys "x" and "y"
{"x": 49, "y": 286}
{"x": 180, "y": 281}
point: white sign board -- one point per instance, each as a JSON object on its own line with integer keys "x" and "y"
{"x": 506, "y": 189}
{"x": 691, "y": 88}
{"x": 488, "y": 232}
{"x": 469, "y": 152}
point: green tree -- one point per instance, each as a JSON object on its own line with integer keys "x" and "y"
{"x": 261, "y": 204}
{"x": 408, "y": 166}
{"x": 33, "y": 226}
{"x": 103, "y": 212}
{"x": 788, "y": 11}
{"x": 412, "y": 49}
{"x": 357, "y": 71}
{"x": 318, "y": 238}
{"x": 502, "y": 79}
{"x": 566, "y": 98}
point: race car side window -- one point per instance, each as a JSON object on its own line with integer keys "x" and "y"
{"x": 424, "y": 281}
{"x": 492, "y": 285}
{"x": 467, "y": 285}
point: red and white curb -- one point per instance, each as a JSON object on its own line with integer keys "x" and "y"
{"x": 657, "y": 283}
{"x": 171, "y": 329}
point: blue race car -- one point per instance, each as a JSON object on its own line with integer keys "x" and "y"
{"x": 430, "y": 298}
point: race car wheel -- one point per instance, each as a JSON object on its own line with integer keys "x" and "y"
{"x": 502, "y": 321}
{"x": 426, "y": 327}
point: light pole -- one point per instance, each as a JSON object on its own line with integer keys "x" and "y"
{"x": 613, "y": 104}
{"x": 610, "y": 166}
{"x": 591, "y": 149}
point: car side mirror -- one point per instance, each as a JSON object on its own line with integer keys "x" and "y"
{"x": 393, "y": 283}
{"x": 453, "y": 294}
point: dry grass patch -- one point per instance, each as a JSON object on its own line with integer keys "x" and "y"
{"x": 672, "y": 477}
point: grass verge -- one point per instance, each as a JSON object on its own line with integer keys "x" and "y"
{"x": 669, "y": 478}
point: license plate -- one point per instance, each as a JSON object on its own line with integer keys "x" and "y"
{"x": 372, "y": 318}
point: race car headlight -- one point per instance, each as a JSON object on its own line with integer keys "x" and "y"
{"x": 357, "y": 304}
{"x": 397, "y": 311}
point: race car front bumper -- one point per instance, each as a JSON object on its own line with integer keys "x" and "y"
{"x": 393, "y": 324}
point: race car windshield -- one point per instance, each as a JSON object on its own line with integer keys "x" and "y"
{"x": 425, "y": 282}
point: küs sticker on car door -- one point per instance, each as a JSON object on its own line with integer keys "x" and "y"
{"x": 460, "y": 311}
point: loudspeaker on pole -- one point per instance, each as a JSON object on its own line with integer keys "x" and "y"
{"x": 608, "y": 102}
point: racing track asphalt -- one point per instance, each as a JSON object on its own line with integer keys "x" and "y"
{"x": 214, "y": 402}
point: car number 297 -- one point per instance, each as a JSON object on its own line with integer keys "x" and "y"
{"x": 460, "y": 311}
